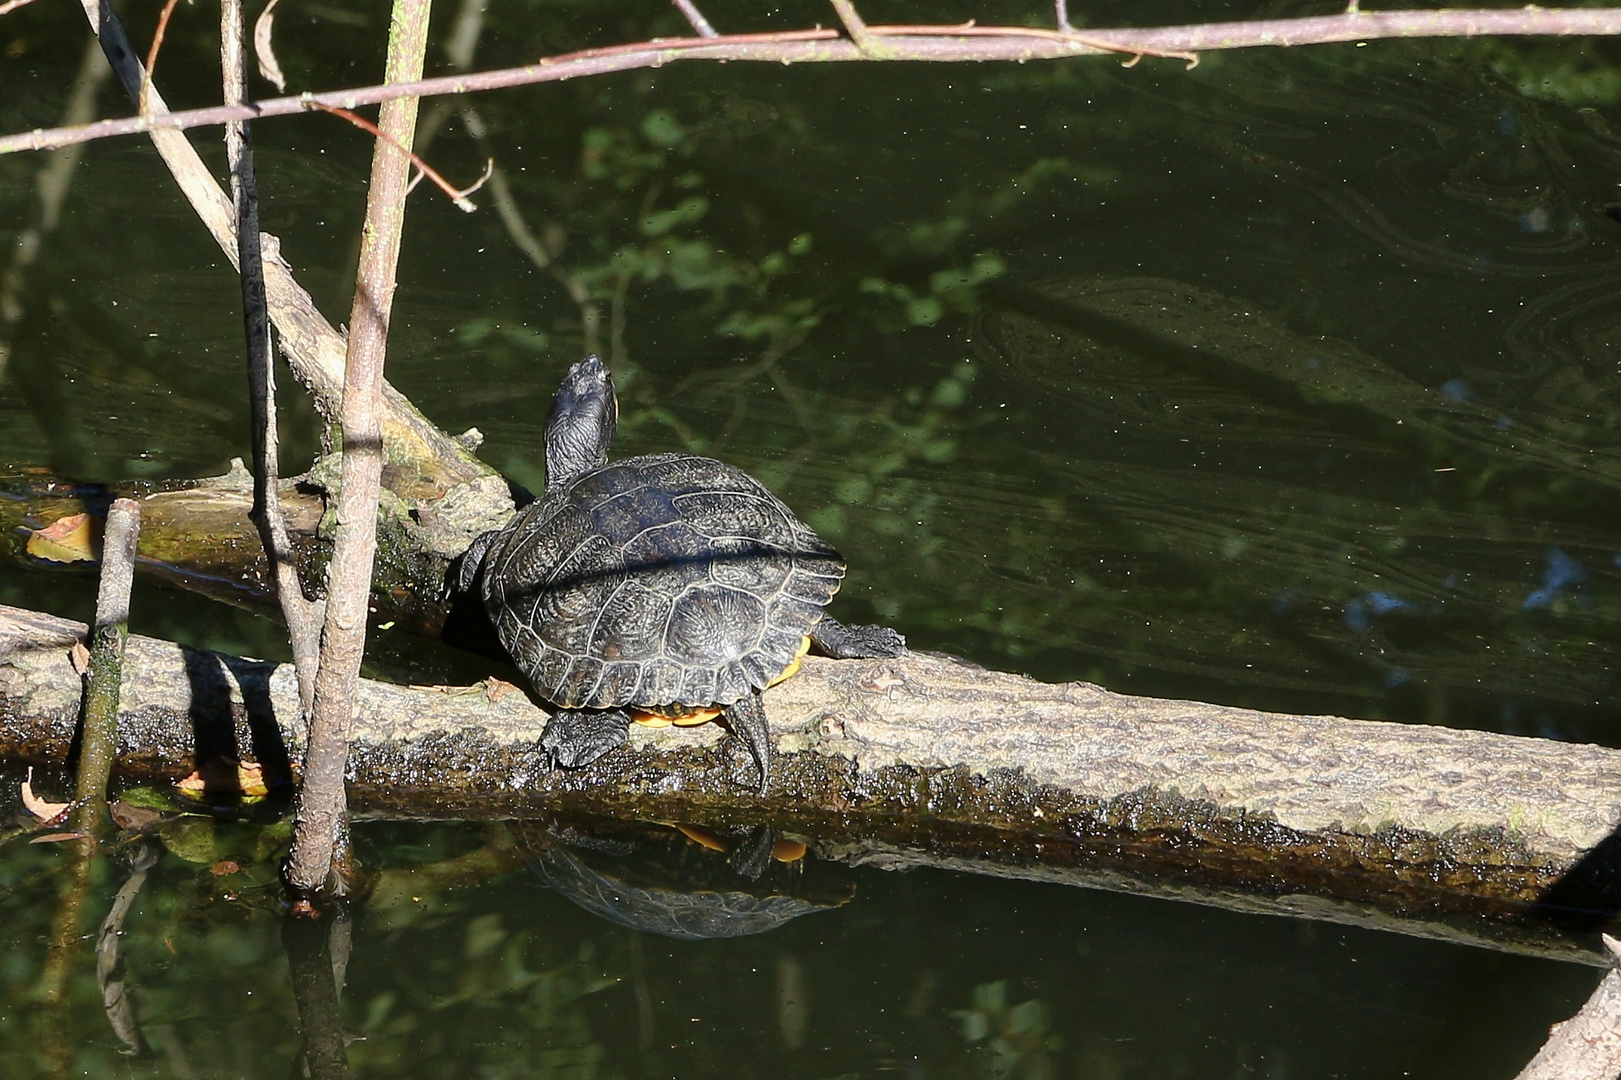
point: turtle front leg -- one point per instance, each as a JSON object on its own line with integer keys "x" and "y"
{"x": 832, "y": 638}
{"x": 576, "y": 737}
{"x": 746, "y": 718}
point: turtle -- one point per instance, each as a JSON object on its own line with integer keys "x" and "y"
{"x": 658, "y": 589}
{"x": 669, "y": 883}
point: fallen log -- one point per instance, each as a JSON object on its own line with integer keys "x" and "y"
{"x": 928, "y": 760}
{"x": 198, "y": 534}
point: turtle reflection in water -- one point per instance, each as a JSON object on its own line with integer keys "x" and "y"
{"x": 666, "y": 588}
{"x": 680, "y": 881}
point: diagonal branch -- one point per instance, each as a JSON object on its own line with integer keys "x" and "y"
{"x": 937, "y": 44}
{"x": 868, "y": 42}
{"x": 700, "y": 24}
{"x": 312, "y": 346}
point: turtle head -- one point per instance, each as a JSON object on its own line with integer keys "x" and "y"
{"x": 581, "y": 426}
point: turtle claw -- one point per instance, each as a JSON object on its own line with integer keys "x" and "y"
{"x": 841, "y": 642}
{"x": 576, "y": 737}
{"x": 746, "y": 718}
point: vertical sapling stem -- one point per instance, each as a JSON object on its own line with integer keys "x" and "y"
{"x": 99, "y": 735}
{"x": 321, "y": 827}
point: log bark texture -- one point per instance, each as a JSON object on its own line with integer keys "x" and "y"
{"x": 927, "y": 760}
{"x": 1588, "y": 1045}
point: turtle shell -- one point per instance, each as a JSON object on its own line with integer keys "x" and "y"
{"x": 661, "y": 580}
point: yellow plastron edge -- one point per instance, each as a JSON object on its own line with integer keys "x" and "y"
{"x": 692, "y": 717}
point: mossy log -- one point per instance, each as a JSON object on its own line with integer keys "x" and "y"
{"x": 927, "y": 760}
{"x": 198, "y": 534}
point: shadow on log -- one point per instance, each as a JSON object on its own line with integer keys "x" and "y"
{"x": 1493, "y": 839}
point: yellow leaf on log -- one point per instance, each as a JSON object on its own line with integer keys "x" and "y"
{"x": 66, "y": 540}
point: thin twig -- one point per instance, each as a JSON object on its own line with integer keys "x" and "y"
{"x": 694, "y": 16}
{"x": 322, "y": 811}
{"x": 99, "y": 738}
{"x": 457, "y": 195}
{"x": 311, "y": 344}
{"x": 152, "y": 54}
{"x": 939, "y": 44}
{"x": 865, "y": 39}
{"x": 303, "y": 617}
{"x": 12, "y": 5}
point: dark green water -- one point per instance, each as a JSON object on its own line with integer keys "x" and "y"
{"x": 1286, "y": 382}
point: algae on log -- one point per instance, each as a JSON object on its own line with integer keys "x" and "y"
{"x": 1422, "y": 828}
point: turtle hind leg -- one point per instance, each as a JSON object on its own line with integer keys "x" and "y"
{"x": 746, "y": 718}
{"x": 575, "y": 737}
{"x": 841, "y": 642}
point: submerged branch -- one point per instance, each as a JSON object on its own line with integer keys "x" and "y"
{"x": 927, "y": 760}
{"x": 938, "y": 44}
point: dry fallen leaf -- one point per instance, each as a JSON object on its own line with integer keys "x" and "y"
{"x": 58, "y": 837}
{"x": 496, "y": 689}
{"x": 79, "y": 657}
{"x": 45, "y": 812}
{"x": 226, "y": 776}
{"x": 263, "y": 28}
{"x": 65, "y": 540}
{"x": 223, "y": 867}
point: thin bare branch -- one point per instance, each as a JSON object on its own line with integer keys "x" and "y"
{"x": 312, "y": 869}
{"x": 457, "y": 195}
{"x": 696, "y": 18}
{"x": 939, "y": 44}
{"x": 856, "y": 26}
{"x": 311, "y": 344}
{"x": 152, "y": 54}
{"x": 12, "y": 5}
{"x": 303, "y": 617}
